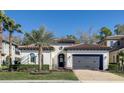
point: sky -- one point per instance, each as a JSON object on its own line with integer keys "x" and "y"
{"x": 63, "y": 22}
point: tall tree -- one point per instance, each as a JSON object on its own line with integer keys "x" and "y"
{"x": 84, "y": 37}
{"x": 94, "y": 38}
{"x": 3, "y": 22}
{"x": 18, "y": 40}
{"x": 119, "y": 29}
{"x": 40, "y": 38}
{"x": 11, "y": 27}
{"x": 104, "y": 32}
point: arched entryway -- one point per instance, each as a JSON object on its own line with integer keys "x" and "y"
{"x": 61, "y": 60}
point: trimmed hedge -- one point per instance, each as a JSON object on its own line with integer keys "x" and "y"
{"x": 30, "y": 67}
{"x": 113, "y": 66}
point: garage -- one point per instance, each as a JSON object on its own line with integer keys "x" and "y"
{"x": 87, "y": 56}
{"x": 88, "y": 62}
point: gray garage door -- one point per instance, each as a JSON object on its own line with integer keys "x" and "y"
{"x": 86, "y": 61}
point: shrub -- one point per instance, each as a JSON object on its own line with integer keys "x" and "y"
{"x": 45, "y": 67}
{"x": 113, "y": 66}
{"x": 31, "y": 67}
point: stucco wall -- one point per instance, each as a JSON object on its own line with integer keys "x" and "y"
{"x": 26, "y": 59}
{"x": 5, "y": 50}
{"x": 114, "y": 54}
{"x": 58, "y": 49}
{"x": 69, "y": 59}
{"x": 109, "y": 42}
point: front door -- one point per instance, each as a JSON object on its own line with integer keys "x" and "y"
{"x": 61, "y": 60}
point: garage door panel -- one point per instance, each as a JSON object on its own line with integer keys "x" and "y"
{"x": 86, "y": 62}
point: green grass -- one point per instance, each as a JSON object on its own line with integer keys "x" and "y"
{"x": 113, "y": 69}
{"x": 117, "y": 73}
{"x": 27, "y": 76}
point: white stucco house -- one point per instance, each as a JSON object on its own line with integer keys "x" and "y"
{"x": 5, "y": 51}
{"x": 67, "y": 54}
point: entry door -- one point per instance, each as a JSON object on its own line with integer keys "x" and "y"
{"x": 61, "y": 60}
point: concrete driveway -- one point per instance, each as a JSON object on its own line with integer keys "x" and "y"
{"x": 91, "y": 75}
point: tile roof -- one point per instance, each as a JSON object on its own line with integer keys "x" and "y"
{"x": 87, "y": 47}
{"x": 64, "y": 40}
{"x": 116, "y": 37}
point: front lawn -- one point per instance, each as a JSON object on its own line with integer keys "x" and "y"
{"x": 117, "y": 73}
{"x": 27, "y": 76}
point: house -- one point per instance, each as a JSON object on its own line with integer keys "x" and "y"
{"x": 5, "y": 51}
{"x": 65, "y": 53}
{"x": 112, "y": 41}
{"x": 116, "y": 43}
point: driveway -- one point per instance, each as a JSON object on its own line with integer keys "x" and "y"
{"x": 91, "y": 75}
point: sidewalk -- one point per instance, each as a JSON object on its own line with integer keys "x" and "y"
{"x": 39, "y": 81}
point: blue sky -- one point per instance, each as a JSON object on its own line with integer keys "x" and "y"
{"x": 66, "y": 21}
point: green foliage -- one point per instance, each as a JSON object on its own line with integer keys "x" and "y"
{"x": 119, "y": 29}
{"x": 31, "y": 67}
{"x": 38, "y": 37}
{"x": 73, "y": 37}
{"x": 11, "y": 26}
{"x": 27, "y": 76}
{"x": 104, "y": 31}
{"x": 113, "y": 66}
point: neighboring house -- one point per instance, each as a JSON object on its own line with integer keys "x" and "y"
{"x": 116, "y": 43}
{"x": 5, "y": 51}
{"x": 112, "y": 41}
{"x": 65, "y": 53}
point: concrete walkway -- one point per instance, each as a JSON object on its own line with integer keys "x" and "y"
{"x": 39, "y": 81}
{"x": 96, "y": 76}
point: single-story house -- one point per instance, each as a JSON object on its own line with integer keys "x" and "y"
{"x": 66, "y": 53}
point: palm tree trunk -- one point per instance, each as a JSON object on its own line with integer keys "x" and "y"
{"x": 10, "y": 51}
{"x": 1, "y": 38}
{"x": 40, "y": 58}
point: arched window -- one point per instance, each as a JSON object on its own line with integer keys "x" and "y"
{"x": 33, "y": 58}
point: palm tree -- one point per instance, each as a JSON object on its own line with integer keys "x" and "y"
{"x": 11, "y": 27}
{"x": 40, "y": 38}
{"x": 119, "y": 29}
{"x": 3, "y": 22}
{"x": 104, "y": 31}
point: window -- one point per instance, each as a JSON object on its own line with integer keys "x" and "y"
{"x": 33, "y": 58}
{"x": 113, "y": 59}
{"x": 111, "y": 43}
{"x": 117, "y": 58}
